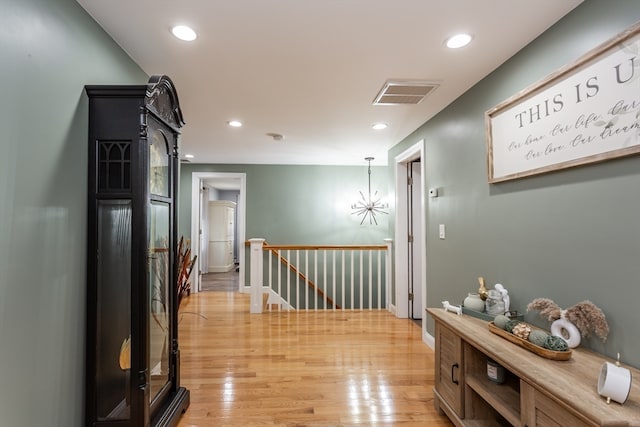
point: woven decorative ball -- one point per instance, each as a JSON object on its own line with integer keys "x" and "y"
{"x": 538, "y": 337}
{"x": 501, "y": 321}
{"x": 510, "y": 324}
{"x": 555, "y": 343}
{"x": 521, "y": 330}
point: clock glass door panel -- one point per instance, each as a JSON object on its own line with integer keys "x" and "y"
{"x": 113, "y": 313}
{"x": 158, "y": 161}
{"x": 159, "y": 274}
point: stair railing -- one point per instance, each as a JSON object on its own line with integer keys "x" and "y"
{"x": 319, "y": 277}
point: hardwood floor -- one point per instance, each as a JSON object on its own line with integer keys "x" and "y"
{"x": 225, "y": 282}
{"x": 351, "y": 368}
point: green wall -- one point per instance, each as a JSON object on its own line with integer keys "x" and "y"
{"x": 571, "y": 235}
{"x": 50, "y": 49}
{"x": 298, "y": 204}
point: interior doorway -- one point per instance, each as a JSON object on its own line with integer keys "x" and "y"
{"x": 410, "y": 256}
{"x": 414, "y": 232}
{"x": 222, "y": 180}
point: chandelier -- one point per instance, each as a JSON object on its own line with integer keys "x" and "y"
{"x": 369, "y": 206}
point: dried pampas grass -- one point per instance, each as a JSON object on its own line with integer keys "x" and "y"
{"x": 546, "y": 307}
{"x": 588, "y": 318}
{"x": 585, "y": 315}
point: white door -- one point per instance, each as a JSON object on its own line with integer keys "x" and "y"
{"x": 414, "y": 249}
{"x": 410, "y": 161}
{"x": 221, "y": 236}
{"x": 203, "y": 232}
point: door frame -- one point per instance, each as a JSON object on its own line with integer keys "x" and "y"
{"x": 196, "y": 184}
{"x": 414, "y": 152}
{"x": 416, "y": 307}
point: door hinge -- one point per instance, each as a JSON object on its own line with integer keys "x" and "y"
{"x": 410, "y": 238}
{"x": 409, "y": 181}
{"x": 410, "y": 296}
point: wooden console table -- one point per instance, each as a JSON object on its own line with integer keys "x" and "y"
{"x": 537, "y": 391}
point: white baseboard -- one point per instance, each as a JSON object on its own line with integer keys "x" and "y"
{"x": 222, "y": 268}
{"x": 393, "y": 310}
{"x": 429, "y": 340}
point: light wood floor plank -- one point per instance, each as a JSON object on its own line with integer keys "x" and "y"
{"x": 342, "y": 368}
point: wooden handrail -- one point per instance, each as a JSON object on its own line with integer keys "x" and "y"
{"x": 266, "y": 245}
{"x": 325, "y": 247}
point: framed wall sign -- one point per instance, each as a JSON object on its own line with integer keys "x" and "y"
{"x": 586, "y": 112}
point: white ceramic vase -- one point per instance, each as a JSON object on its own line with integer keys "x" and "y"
{"x": 567, "y": 331}
{"x": 474, "y": 302}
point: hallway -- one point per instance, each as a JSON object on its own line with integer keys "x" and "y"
{"x": 220, "y": 282}
{"x": 344, "y": 368}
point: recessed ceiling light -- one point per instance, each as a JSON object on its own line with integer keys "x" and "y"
{"x": 188, "y": 156}
{"x": 459, "y": 40}
{"x": 379, "y": 126}
{"x": 184, "y": 33}
{"x": 235, "y": 123}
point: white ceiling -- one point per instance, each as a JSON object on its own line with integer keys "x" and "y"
{"x": 310, "y": 69}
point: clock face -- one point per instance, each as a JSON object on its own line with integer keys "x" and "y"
{"x": 158, "y": 164}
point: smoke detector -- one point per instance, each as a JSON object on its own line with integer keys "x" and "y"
{"x": 275, "y": 136}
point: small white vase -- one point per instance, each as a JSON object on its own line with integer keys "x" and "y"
{"x": 567, "y": 331}
{"x": 474, "y": 302}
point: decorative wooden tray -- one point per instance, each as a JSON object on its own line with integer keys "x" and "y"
{"x": 540, "y": 351}
{"x": 488, "y": 317}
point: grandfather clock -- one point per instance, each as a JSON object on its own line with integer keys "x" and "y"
{"x": 132, "y": 355}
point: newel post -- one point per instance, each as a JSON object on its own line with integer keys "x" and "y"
{"x": 256, "y": 275}
{"x": 388, "y": 269}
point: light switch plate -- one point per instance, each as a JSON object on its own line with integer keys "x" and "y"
{"x": 441, "y": 231}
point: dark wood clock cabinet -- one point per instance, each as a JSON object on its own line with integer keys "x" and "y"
{"x": 132, "y": 354}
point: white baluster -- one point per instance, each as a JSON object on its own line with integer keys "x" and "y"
{"x": 387, "y": 271}
{"x": 270, "y": 280}
{"x": 325, "y": 286}
{"x": 288, "y": 278}
{"x": 352, "y": 280}
{"x": 306, "y": 279}
{"x": 343, "y": 269}
{"x": 361, "y": 278}
{"x": 379, "y": 293}
{"x": 278, "y": 256}
{"x": 297, "y": 281}
{"x": 333, "y": 277}
{"x": 370, "y": 256}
